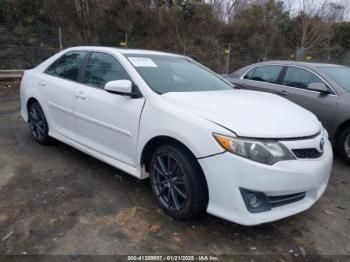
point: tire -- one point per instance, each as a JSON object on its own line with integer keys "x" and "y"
{"x": 343, "y": 145}
{"x": 180, "y": 187}
{"x": 38, "y": 124}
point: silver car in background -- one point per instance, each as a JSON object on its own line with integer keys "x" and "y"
{"x": 324, "y": 89}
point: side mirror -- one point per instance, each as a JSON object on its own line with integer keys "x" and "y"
{"x": 119, "y": 87}
{"x": 318, "y": 87}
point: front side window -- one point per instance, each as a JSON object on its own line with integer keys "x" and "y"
{"x": 67, "y": 66}
{"x": 102, "y": 68}
{"x": 269, "y": 74}
{"x": 250, "y": 74}
{"x": 341, "y": 75}
{"x": 165, "y": 73}
{"x": 300, "y": 78}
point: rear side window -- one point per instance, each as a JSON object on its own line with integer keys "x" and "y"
{"x": 268, "y": 74}
{"x": 339, "y": 75}
{"x": 102, "y": 68}
{"x": 67, "y": 66}
{"x": 300, "y": 78}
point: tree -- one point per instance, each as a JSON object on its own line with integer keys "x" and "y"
{"x": 310, "y": 30}
{"x": 341, "y": 35}
{"x": 256, "y": 32}
{"x": 228, "y": 10}
{"x": 202, "y": 29}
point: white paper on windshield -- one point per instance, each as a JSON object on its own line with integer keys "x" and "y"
{"x": 142, "y": 62}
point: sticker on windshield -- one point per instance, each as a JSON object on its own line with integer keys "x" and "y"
{"x": 142, "y": 62}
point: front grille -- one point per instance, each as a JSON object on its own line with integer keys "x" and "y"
{"x": 276, "y": 201}
{"x": 307, "y": 153}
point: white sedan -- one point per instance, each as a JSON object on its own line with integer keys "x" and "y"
{"x": 244, "y": 156}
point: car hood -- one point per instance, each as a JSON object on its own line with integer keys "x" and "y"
{"x": 249, "y": 113}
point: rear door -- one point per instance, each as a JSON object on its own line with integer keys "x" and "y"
{"x": 265, "y": 78}
{"x": 58, "y": 85}
{"x": 105, "y": 122}
{"x": 296, "y": 81}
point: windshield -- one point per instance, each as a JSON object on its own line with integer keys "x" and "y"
{"x": 341, "y": 75}
{"x": 176, "y": 74}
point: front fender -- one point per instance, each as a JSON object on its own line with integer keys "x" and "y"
{"x": 193, "y": 131}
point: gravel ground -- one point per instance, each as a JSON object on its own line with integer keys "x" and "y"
{"x": 57, "y": 200}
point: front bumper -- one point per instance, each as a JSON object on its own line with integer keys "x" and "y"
{"x": 227, "y": 173}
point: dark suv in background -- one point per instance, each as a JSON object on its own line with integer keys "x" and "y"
{"x": 324, "y": 89}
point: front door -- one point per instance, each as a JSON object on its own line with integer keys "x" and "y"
{"x": 263, "y": 78}
{"x": 107, "y": 123}
{"x": 296, "y": 81}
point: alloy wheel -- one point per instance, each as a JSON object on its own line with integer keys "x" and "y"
{"x": 169, "y": 182}
{"x": 347, "y": 146}
{"x": 37, "y": 123}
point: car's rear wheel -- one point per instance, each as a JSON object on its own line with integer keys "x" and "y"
{"x": 343, "y": 144}
{"x": 38, "y": 123}
{"x": 178, "y": 182}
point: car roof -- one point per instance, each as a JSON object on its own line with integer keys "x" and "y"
{"x": 121, "y": 50}
{"x": 298, "y": 63}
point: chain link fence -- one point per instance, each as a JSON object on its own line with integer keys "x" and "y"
{"x": 25, "y": 47}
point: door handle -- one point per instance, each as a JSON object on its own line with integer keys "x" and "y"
{"x": 41, "y": 83}
{"x": 80, "y": 95}
{"x": 283, "y": 93}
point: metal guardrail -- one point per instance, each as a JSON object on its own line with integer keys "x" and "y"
{"x": 10, "y": 74}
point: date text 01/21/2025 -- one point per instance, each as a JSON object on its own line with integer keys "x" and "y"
{"x": 173, "y": 258}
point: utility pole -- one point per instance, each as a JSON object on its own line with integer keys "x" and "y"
{"x": 125, "y": 42}
{"x": 60, "y": 37}
{"x": 329, "y": 55}
{"x": 228, "y": 53}
{"x": 300, "y": 54}
{"x": 184, "y": 51}
{"x": 266, "y": 52}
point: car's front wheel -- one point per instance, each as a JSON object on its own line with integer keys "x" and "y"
{"x": 38, "y": 123}
{"x": 178, "y": 182}
{"x": 343, "y": 144}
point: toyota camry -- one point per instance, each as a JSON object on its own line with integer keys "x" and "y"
{"x": 247, "y": 157}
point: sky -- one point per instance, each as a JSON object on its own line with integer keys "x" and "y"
{"x": 346, "y": 3}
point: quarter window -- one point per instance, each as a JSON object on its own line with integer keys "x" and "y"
{"x": 67, "y": 66}
{"x": 268, "y": 74}
{"x": 102, "y": 68}
{"x": 300, "y": 78}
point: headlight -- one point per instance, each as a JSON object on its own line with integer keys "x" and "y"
{"x": 266, "y": 152}
{"x": 325, "y": 133}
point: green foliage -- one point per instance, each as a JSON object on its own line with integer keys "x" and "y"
{"x": 258, "y": 31}
{"x": 22, "y": 12}
{"x": 341, "y": 35}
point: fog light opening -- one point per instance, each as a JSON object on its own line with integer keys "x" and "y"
{"x": 255, "y": 202}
